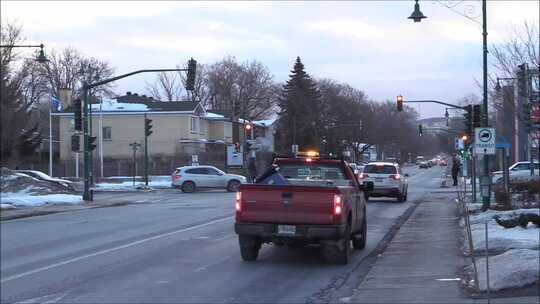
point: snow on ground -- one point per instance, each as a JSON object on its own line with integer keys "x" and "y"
{"x": 163, "y": 181}
{"x": 513, "y": 269}
{"x": 502, "y": 239}
{"x": 11, "y": 200}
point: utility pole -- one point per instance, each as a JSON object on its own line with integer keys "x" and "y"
{"x": 486, "y": 182}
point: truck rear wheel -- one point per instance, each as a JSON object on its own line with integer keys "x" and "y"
{"x": 360, "y": 239}
{"x": 340, "y": 252}
{"x": 249, "y": 247}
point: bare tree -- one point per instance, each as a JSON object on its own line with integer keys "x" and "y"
{"x": 166, "y": 87}
{"x": 245, "y": 90}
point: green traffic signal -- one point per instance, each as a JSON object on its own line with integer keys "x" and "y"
{"x": 148, "y": 127}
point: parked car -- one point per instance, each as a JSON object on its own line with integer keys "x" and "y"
{"x": 443, "y": 163}
{"x": 519, "y": 169}
{"x": 388, "y": 180}
{"x": 301, "y": 201}
{"x": 190, "y": 178}
{"x": 42, "y": 176}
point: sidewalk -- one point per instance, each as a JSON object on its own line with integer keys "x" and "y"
{"x": 423, "y": 263}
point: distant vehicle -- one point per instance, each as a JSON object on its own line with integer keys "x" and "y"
{"x": 423, "y": 165}
{"x": 190, "y": 178}
{"x": 443, "y": 162}
{"x": 42, "y": 176}
{"x": 387, "y": 179}
{"x": 519, "y": 169}
{"x": 301, "y": 201}
{"x": 419, "y": 159}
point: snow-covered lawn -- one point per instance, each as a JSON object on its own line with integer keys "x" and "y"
{"x": 11, "y": 200}
{"x": 513, "y": 269}
{"x": 515, "y": 263}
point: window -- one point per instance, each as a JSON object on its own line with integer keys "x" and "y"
{"x": 194, "y": 125}
{"x": 197, "y": 171}
{"x": 380, "y": 169}
{"x": 107, "y": 133}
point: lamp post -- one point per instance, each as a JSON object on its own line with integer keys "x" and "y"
{"x": 417, "y": 16}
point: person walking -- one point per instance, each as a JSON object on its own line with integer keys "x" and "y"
{"x": 455, "y": 169}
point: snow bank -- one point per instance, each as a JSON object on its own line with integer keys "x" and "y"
{"x": 512, "y": 269}
{"x": 10, "y": 200}
{"x": 502, "y": 239}
{"x": 155, "y": 182}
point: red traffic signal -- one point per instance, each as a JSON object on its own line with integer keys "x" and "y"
{"x": 399, "y": 100}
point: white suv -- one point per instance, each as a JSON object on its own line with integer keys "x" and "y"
{"x": 387, "y": 179}
{"x": 518, "y": 170}
{"x": 189, "y": 178}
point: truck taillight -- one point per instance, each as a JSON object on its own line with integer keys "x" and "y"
{"x": 338, "y": 204}
{"x": 395, "y": 177}
{"x": 238, "y": 203}
{"x": 177, "y": 176}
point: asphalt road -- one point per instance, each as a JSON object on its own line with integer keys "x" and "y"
{"x": 172, "y": 247}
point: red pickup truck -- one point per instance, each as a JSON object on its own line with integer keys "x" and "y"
{"x": 306, "y": 200}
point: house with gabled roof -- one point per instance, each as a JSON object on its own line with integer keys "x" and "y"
{"x": 180, "y": 129}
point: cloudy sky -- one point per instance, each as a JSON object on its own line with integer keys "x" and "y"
{"x": 368, "y": 44}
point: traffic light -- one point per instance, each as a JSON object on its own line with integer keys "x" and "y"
{"x": 77, "y": 114}
{"x": 92, "y": 143}
{"x": 399, "y": 100}
{"x": 420, "y": 130}
{"x": 75, "y": 143}
{"x": 468, "y": 115}
{"x": 477, "y": 116}
{"x": 465, "y": 138}
{"x": 237, "y": 147}
{"x": 190, "y": 79}
{"x": 522, "y": 80}
{"x": 148, "y": 127}
{"x": 248, "y": 126}
{"x": 526, "y": 116}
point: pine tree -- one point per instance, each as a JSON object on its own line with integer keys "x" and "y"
{"x": 300, "y": 115}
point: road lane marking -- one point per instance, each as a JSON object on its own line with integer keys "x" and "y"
{"x": 86, "y": 256}
{"x": 455, "y": 279}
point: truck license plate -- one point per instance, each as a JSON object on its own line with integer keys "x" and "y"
{"x": 379, "y": 179}
{"x": 286, "y": 229}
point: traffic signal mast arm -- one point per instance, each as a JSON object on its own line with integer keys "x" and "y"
{"x": 433, "y": 101}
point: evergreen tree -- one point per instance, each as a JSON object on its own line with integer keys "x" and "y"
{"x": 300, "y": 115}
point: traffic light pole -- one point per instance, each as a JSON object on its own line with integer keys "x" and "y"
{"x": 145, "y": 153}
{"x": 86, "y": 152}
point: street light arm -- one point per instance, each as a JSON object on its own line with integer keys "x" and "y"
{"x": 23, "y": 46}
{"x": 436, "y": 101}
{"x": 95, "y": 84}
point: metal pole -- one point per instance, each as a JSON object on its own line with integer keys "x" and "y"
{"x": 487, "y": 261}
{"x": 50, "y": 142}
{"x": 77, "y": 164}
{"x": 473, "y": 177}
{"x": 485, "y": 198}
{"x": 134, "y": 164}
{"x": 86, "y": 160}
{"x": 145, "y": 153}
{"x": 101, "y": 138}
{"x": 90, "y": 132}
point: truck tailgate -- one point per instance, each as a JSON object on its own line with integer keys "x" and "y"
{"x": 287, "y": 204}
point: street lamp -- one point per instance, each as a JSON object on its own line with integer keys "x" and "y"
{"x": 417, "y": 17}
{"x": 40, "y": 57}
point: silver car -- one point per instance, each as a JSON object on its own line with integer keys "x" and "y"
{"x": 190, "y": 178}
{"x": 387, "y": 178}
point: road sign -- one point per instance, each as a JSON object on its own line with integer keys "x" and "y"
{"x": 484, "y": 141}
{"x": 194, "y": 160}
